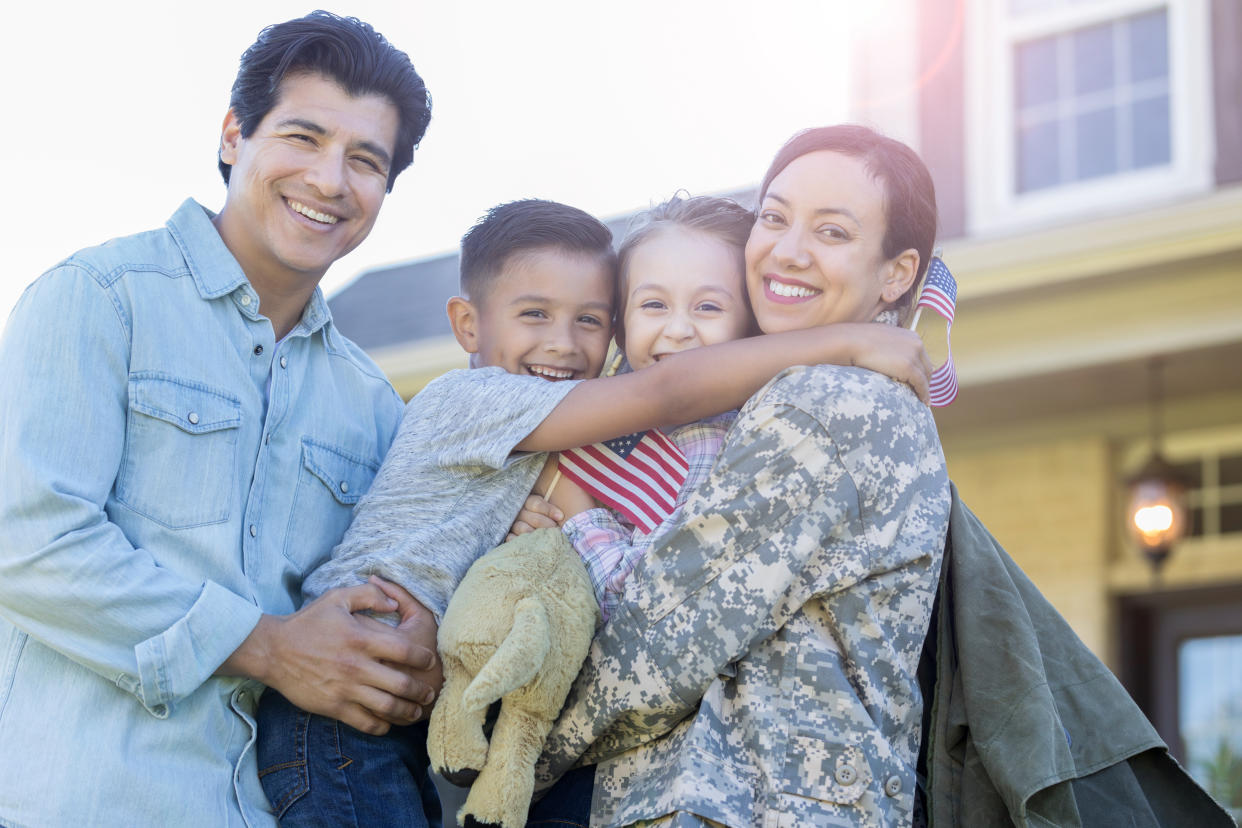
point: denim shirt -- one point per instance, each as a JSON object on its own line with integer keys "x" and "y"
{"x": 158, "y": 497}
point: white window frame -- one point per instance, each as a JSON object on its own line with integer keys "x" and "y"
{"x": 994, "y": 205}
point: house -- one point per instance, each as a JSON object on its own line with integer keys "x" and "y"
{"x": 1088, "y": 164}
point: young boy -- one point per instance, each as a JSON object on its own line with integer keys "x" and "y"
{"x": 537, "y": 280}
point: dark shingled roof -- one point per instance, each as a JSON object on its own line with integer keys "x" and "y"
{"x": 402, "y": 304}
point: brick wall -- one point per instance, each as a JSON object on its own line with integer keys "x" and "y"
{"x": 1048, "y": 505}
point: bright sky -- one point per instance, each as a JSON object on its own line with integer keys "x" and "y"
{"x": 114, "y": 109}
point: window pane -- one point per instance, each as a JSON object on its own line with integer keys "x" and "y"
{"x": 1231, "y": 518}
{"x": 1093, "y": 59}
{"x": 1152, "y": 144}
{"x": 1096, "y": 143}
{"x": 1035, "y": 73}
{"x": 1149, "y": 47}
{"x": 1231, "y": 470}
{"x": 1191, "y": 473}
{"x": 1209, "y": 685}
{"x": 1037, "y": 156}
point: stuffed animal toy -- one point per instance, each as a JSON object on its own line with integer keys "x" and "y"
{"x": 516, "y": 630}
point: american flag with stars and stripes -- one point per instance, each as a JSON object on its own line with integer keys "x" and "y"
{"x": 638, "y": 475}
{"x": 940, "y": 294}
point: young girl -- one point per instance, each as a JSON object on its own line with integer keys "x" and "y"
{"x": 680, "y": 286}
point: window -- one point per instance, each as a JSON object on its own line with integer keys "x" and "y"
{"x": 1081, "y": 106}
{"x": 1092, "y": 102}
{"x": 1214, "y": 494}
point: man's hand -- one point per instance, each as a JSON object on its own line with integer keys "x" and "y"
{"x": 419, "y": 626}
{"x": 327, "y": 659}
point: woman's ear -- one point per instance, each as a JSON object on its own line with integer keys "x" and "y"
{"x": 900, "y": 274}
{"x": 464, "y": 320}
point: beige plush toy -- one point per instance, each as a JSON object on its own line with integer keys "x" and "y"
{"x": 516, "y": 630}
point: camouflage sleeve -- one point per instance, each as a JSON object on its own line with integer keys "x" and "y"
{"x": 732, "y": 572}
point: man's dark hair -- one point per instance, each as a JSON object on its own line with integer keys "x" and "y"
{"x": 523, "y": 226}
{"x": 909, "y": 195}
{"x": 344, "y": 49}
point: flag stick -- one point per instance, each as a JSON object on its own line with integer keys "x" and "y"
{"x": 556, "y": 478}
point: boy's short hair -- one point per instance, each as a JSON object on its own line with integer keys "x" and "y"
{"x": 345, "y": 49}
{"x": 523, "y": 226}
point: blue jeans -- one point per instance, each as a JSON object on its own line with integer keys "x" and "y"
{"x": 317, "y": 771}
{"x": 567, "y": 804}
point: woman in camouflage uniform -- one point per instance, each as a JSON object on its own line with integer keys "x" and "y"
{"x": 761, "y": 667}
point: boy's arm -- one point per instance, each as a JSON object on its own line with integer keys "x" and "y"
{"x": 705, "y": 381}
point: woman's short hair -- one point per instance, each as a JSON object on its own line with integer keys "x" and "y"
{"x": 909, "y": 194}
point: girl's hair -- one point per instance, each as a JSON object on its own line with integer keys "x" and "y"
{"x": 909, "y": 195}
{"x": 720, "y": 218}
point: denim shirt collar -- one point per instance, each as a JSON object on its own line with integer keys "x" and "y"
{"x": 216, "y": 272}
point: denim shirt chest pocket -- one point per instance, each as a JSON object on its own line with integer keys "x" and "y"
{"x": 180, "y": 455}
{"x": 330, "y": 483}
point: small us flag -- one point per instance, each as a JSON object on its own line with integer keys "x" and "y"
{"x": 940, "y": 294}
{"x": 638, "y": 475}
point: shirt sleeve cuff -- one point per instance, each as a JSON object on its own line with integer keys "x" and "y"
{"x": 582, "y": 522}
{"x": 176, "y": 662}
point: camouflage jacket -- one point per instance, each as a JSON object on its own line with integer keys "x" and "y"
{"x": 760, "y": 669}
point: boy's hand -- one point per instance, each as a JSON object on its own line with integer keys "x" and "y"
{"x": 536, "y": 513}
{"x": 894, "y": 351}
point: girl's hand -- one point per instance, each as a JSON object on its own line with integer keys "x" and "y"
{"x": 536, "y": 513}
{"x": 571, "y": 498}
{"x": 565, "y": 499}
{"x": 894, "y": 351}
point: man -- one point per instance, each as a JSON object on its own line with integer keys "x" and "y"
{"x": 184, "y": 432}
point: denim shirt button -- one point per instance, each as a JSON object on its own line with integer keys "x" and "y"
{"x": 846, "y": 775}
{"x": 258, "y": 350}
{"x": 344, "y": 487}
{"x": 893, "y": 786}
{"x": 245, "y": 298}
{"x": 192, "y": 417}
{"x": 283, "y": 362}
{"x": 254, "y": 531}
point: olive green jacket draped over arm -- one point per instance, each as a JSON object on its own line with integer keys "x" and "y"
{"x": 1027, "y": 726}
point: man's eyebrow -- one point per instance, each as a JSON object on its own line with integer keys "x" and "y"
{"x": 376, "y": 150}
{"x": 310, "y": 126}
{"x": 301, "y": 123}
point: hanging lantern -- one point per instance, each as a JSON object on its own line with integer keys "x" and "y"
{"x": 1156, "y": 506}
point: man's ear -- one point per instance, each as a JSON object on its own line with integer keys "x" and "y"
{"x": 230, "y": 138}
{"x": 900, "y": 273}
{"x": 464, "y": 320}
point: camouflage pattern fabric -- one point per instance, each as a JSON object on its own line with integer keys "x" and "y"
{"x": 760, "y": 669}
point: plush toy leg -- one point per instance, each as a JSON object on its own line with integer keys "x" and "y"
{"x": 518, "y": 659}
{"x": 501, "y": 795}
{"x": 455, "y": 741}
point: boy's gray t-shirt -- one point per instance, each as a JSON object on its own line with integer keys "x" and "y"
{"x": 450, "y": 487}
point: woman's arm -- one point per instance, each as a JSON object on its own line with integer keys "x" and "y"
{"x": 705, "y": 381}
